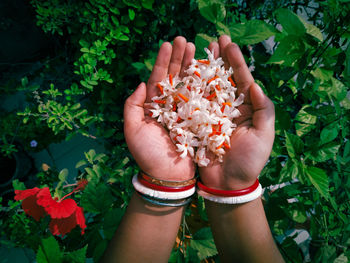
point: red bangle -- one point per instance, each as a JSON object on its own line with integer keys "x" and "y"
{"x": 163, "y": 188}
{"x": 228, "y": 193}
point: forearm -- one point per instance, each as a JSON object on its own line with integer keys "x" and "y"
{"x": 241, "y": 232}
{"x": 147, "y": 233}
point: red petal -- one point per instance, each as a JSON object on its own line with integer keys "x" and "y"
{"x": 31, "y": 207}
{"x": 80, "y": 219}
{"x": 62, "y": 226}
{"x": 65, "y": 225}
{"x": 23, "y": 194}
{"x": 61, "y": 209}
{"x": 45, "y": 198}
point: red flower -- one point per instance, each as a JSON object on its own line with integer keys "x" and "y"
{"x": 65, "y": 213}
{"x": 65, "y": 225}
{"x": 29, "y": 204}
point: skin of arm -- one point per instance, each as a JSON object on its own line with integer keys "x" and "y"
{"x": 241, "y": 232}
{"x": 147, "y": 232}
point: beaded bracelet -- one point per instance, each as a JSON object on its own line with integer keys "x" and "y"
{"x": 230, "y": 193}
{"x": 161, "y": 194}
{"x": 165, "y": 182}
{"x": 232, "y": 199}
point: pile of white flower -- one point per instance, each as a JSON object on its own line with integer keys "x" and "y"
{"x": 198, "y": 110}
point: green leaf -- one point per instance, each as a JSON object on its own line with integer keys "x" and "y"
{"x": 203, "y": 242}
{"x": 131, "y": 14}
{"x": 147, "y": 4}
{"x": 319, "y": 179}
{"x": 324, "y": 152}
{"x": 289, "y": 171}
{"x": 77, "y": 256}
{"x": 347, "y": 64}
{"x": 290, "y": 22}
{"x": 252, "y": 32}
{"x": 341, "y": 259}
{"x": 202, "y": 41}
{"x": 305, "y": 117}
{"x": 49, "y": 251}
{"x": 81, "y": 163}
{"x": 96, "y": 198}
{"x": 63, "y": 174}
{"x": 111, "y": 222}
{"x": 329, "y": 133}
{"x": 288, "y": 51}
{"x": 294, "y": 144}
{"x": 17, "y": 185}
{"x": 313, "y": 30}
{"x": 212, "y": 10}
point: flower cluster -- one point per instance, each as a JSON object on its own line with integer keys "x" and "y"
{"x": 198, "y": 110}
{"x": 65, "y": 213}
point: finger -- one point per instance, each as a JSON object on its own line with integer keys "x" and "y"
{"x": 241, "y": 73}
{"x": 177, "y": 55}
{"x": 160, "y": 70}
{"x": 133, "y": 108}
{"x": 223, "y": 42}
{"x": 214, "y": 47}
{"x": 188, "y": 56}
{"x": 263, "y": 110}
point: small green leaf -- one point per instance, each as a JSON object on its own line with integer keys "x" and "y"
{"x": 96, "y": 198}
{"x": 251, "y": 32}
{"x": 202, "y": 41}
{"x": 290, "y": 22}
{"x": 17, "y": 185}
{"x": 76, "y": 256}
{"x": 81, "y": 163}
{"x": 324, "y": 152}
{"x": 49, "y": 251}
{"x": 203, "y": 242}
{"x": 294, "y": 144}
{"x": 319, "y": 179}
{"x": 131, "y": 14}
{"x": 329, "y": 133}
{"x": 212, "y": 10}
{"x": 63, "y": 174}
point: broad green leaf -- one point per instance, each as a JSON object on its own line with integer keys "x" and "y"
{"x": 76, "y": 256}
{"x": 288, "y": 51}
{"x": 49, "y": 251}
{"x": 251, "y": 32}
{"x": 324, "y": 152}
{"x": 294, "y": 144}
{"x": 212, "y": 10}
{"x": 289, "y": 171}
{"x": 319, "y": 179}
{"x": 303, "y": 128}
{"x": 339, "y": 90}
{"x": 222, "y": 29}
{"x": 341, "y": 259}
{"x": 96, "y": 198}
{"x": 329, "y": 133}
{"x": 203, "y": 242}
{"x": 202, "y": 41}
{"x": 305, "y": 117}
{"x": 131, "y": 14}
{"x": 147, "y": 4}
{"x": 299, "y": 216}
{"x": 347, "y": 64}
{"x": 111, "y": 221}
{"x": 290, "y": 22}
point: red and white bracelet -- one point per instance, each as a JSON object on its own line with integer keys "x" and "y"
{"x": 162, "y": 193}
{"x": 230, "y": 197}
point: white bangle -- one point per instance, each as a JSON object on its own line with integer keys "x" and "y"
{"x": 160, "y": 194}
{"x": 234, "y": 199}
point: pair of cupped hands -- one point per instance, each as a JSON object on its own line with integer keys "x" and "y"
{"x": 251, "y": 143}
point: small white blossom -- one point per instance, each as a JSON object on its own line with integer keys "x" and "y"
{"x": 199, "y": 109}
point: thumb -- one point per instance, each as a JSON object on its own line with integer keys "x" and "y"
{"x": 263, "y": 109}
{"x": 133, "y": 108}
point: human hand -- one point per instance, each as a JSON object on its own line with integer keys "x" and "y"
{"x": 148, "y": 141}
{"x": 252, "y": 141}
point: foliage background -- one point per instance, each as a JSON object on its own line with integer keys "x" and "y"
{"x": 102, "y": 49}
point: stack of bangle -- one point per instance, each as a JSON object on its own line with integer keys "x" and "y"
{"x": 230, "y": 197}
{"x": 164, "y": 193}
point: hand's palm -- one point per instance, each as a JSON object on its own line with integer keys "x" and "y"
{"x": 148, "y": 141}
